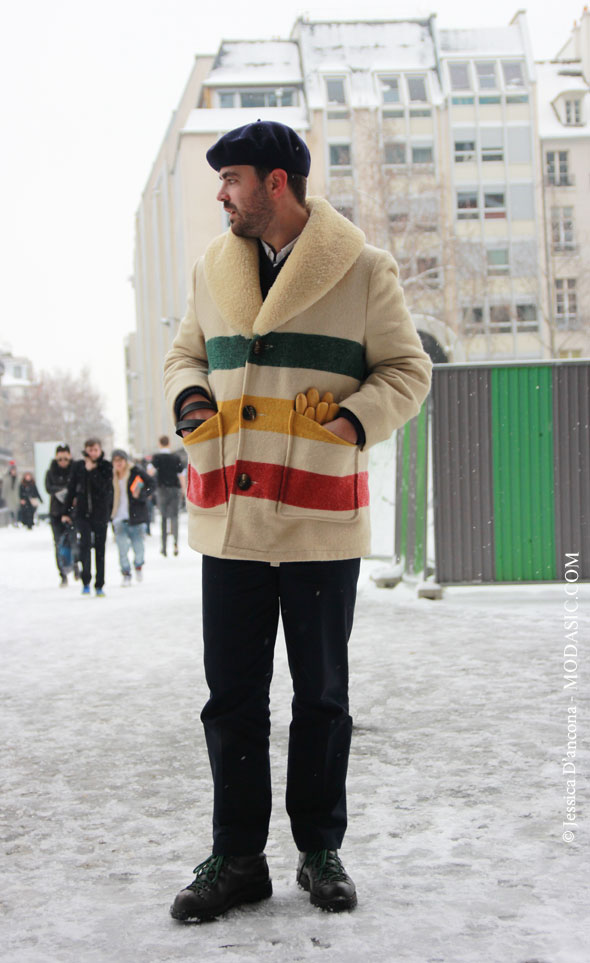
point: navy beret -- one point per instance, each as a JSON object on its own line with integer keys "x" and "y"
{"x": 263, "y": 144}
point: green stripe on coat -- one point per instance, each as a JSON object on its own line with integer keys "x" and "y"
{"x": 289, "y": 350}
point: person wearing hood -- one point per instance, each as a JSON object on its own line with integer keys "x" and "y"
{"x": 57, "y": 479}
{"x": 131, "y": 490}
{"x": 90, "y": 498}
{"x": 29, "y": 498}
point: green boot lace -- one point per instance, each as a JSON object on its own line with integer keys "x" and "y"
{"x": 327, "y": 864}
{"x": 206, "y": 874}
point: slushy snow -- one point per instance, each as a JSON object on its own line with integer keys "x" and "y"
{"x": 456, "y": 791}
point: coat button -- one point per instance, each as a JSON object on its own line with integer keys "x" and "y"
{"x": 258, "y": 347}
{"x": 244, "y": 482}
{"x": 249, "y": 412}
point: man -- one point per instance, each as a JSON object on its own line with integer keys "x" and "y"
{"x": 131, "y": 488}
{"x": 90, "y": 495}
{"x": 10, "y": 486}
{"x": 290, "y": 299}
{"x": 168, "y": 468}
{"x": 57, "y": 479}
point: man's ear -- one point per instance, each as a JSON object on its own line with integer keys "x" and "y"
{"x": 277, "y": 182}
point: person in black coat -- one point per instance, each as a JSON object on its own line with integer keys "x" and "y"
{"x": 29, "y": 500}
{"x": 90, "y": 496}
{"x": 57, "y": 479}
{"x": 131, "y": 489}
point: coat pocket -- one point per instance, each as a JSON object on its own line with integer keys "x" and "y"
{"x": 321, "y": 474}
{"x": 206, "y": 490}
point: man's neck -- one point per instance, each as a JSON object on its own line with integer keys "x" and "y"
{"x": 281, "y": 232}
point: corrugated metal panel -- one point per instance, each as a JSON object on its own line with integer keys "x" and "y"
{"x": 571, "y": 416}
{"x": 410, "y": 492}
{"x": 461, "y": 443}
{"x": 522, "y": 458}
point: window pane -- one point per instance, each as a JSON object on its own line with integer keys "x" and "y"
{"x": 417, "y": 88}
{"x": 335, "y": 91}
{"x": 493, "y": 200}
{"x": 390, "y": 90}
{"x": 253, "y": 99}
{"x": 421, "y": 155}
{"x": 340, "y": 155}
{"x": 498, "y": 257}
{"x": 464, "y": 151}
{"x": 395, "y": 153}
{"x": 486, "y": 74}
{"x": 459, "y": 74}
{"x": 467, "y": 206}
{"x": 513, "y": 73}
{"x": 226, "y": 100}
{"x": 287, "y": 98}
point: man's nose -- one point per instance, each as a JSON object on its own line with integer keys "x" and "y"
{"x": 222, "y": 194}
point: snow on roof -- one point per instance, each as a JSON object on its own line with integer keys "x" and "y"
{"x": 491, "y": 41}
{"x": 554, "y": 79}
{"x": 217, "y": 120}
{"x": 361, "y": 49}
{"x": 253, "y": 62}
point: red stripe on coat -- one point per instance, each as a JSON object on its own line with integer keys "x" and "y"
{"x": 291, "y": 486}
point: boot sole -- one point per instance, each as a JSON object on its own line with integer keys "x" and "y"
{"x": 252, "y": 895}
{"x": 338, "y": 905}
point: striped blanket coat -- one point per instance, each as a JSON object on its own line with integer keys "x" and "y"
{"x": 265, "y": 482}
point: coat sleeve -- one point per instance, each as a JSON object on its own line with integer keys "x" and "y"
{"x": 398, "y": 369}
{"x": 186, "y": 364}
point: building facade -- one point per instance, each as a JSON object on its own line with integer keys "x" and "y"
{"x": 430, "y": 140}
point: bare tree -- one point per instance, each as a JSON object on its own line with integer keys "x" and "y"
{"x": 59, "y": 406}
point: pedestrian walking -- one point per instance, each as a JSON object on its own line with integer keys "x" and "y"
{"x": 10, "y": 492}
{"x": 131, "y": 490}
{"x": 90, "y": 498}
{"x": 57, "y": 479}
{"x": 168, "y": 469}
{"x": 296, "y": 355}
{"x": 29, "y": 500}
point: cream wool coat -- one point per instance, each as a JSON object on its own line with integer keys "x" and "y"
{"x": 265, "y": 482}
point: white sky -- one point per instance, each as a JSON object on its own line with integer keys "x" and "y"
{"x": 87, "y": 93}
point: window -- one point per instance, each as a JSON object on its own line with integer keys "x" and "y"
{"x": 398, "y": 221}
{"x": 566, "y": 303}
{"x": 417, "y": 88}
{"x": 335, "y": 90}
{"x": 562, "y": 228}
{"x": 428, "y": 266}
{"x": 492, "y": 144}
{"x": 393, "y": 113}
{"x": 557, "y": 168}
{"x": 526, "y": 317}
{"x": 467, "y": 205}
{"x": 494, "y": 99}
{"x": 461, "y": 101}
{"x": 500, "y": 318}
{"x": 573, "y": 111}
{"x": 225, "y": 99}
{"x": 486, "y": 74}
{"x": 268, "y": 98}
{"x": 498, "y": 262}
{"x": 389, "y": 90}
{"x": 340, "y": 155}
{"x": 473, "y": 317}
{"x": 253, "y": 98}
{"x": 494, "y": 204}
{"x": 517, "y": 99}
{"x": 513, "y": 76}
{"x": 421, "y": 155}
{"x": 464, "y": 151}
{"x": 346, "y": 211}
{"x": 17, "y": 371}
{"x": 395, "y": 153}
{"x": 459, "y": 74}
{"x": 420, "y": 112}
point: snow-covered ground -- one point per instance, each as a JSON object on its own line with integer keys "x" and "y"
{"x": 456, "y": 789}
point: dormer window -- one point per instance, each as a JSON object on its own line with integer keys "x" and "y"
{"x": 335, "y": 91}
{"x": 513, "y": 76}
{"x": 417, "y": 89}
{"x": 573, "y": 111}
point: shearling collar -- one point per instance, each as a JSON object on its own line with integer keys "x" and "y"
{"x": 326, "y": 249}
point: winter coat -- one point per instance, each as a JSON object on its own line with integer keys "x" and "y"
{"x": 26, "y": 492}
{"x": 10, "y": 492}
{"x": 57, "y": 479}
{"x": 265, "y": 482}
{"x": 90, "y": 493}
{"x": 138, "y": 507}
{"x": 168, "y": 467}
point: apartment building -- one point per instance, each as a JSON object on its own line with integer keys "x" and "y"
{"x": 564, "y": 148}
{"x": 427, "y": 139}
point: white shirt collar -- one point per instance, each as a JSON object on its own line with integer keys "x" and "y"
{"x": 279, "y": 256}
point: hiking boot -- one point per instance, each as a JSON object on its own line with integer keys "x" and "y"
{"x": 323, "y": 876}
{"x": 220, "y": 883}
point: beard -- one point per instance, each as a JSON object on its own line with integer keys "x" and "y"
{"x": 253, "y": 216}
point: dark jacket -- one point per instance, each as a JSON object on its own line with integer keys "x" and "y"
{"x": 138, "y": 507}
{"x": 168, "y": 467}
{"x": 28, "y": 490}
{"x": 90, "y": 493}
{"x": 57, "y": 480}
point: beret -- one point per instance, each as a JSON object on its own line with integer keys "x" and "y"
{"x": 263, "y": 144}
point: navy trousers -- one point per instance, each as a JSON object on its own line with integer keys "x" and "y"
{"x": 241, "y": 605}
